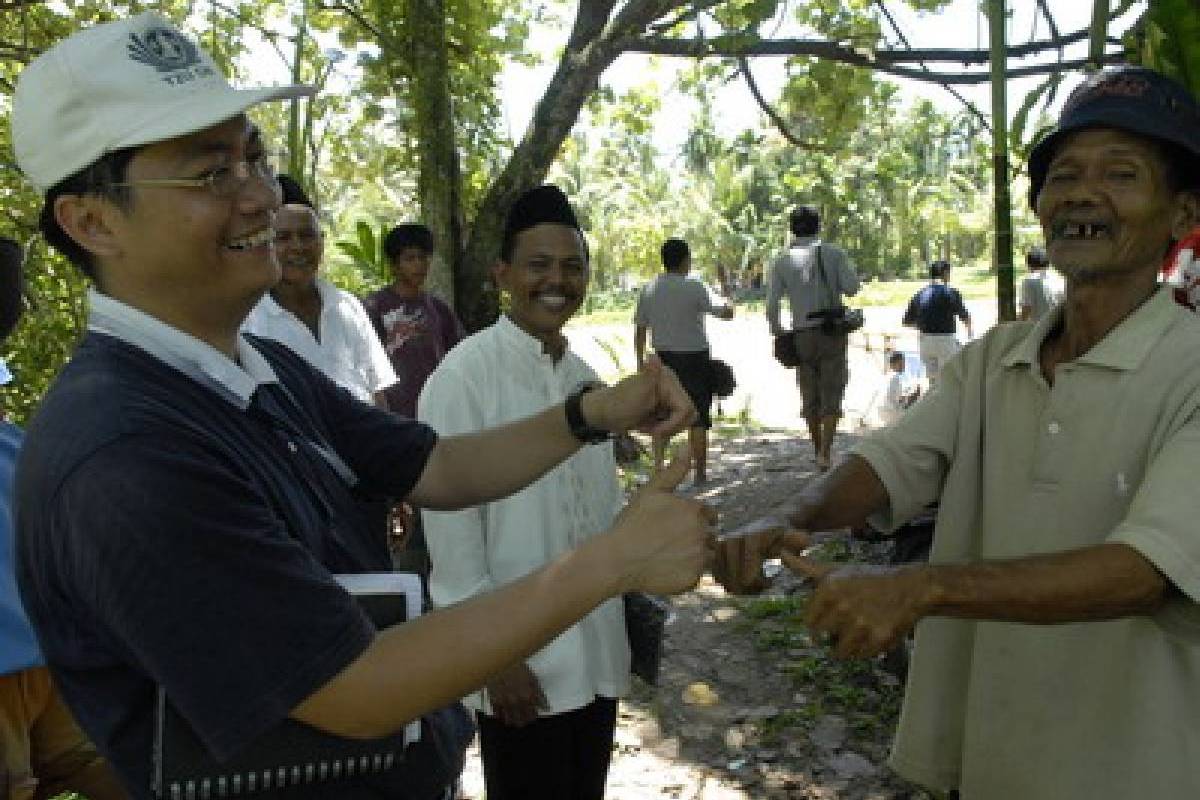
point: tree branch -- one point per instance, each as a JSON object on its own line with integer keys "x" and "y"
{"x": 776, "y": 120}
{"x": 971, "y": 107}
{"x": 886, "y": 61}
{"x": 590, "y": 20}
{"x": 358, "y": 16}
{"x": 734, "y": 46}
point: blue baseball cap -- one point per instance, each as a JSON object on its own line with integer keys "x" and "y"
{"x": 1129, "y": 98}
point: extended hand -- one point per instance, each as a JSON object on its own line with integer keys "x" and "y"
{"x": 652, "y": 401}
{"x": 516, "y": 696}
{"x": 738, "y": 565}
{"x": 663, "y": 542}
{"x": 864, "y": 610}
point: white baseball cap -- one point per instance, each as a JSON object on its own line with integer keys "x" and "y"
{"x": 118, "y": 85}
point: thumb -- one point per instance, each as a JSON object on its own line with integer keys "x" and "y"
{"x": 652, "y": 366}
{"x": 670, "y": 476}
{"x": 806, "y": 567}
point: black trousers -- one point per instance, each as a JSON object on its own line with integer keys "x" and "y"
{"x": 560, "y": 757}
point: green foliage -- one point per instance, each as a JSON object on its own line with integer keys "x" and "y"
{"x": 1167, "y": 39}
{"x": 365, "y": 251}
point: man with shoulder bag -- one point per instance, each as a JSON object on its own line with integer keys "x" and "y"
{"x": 814, "y": 276}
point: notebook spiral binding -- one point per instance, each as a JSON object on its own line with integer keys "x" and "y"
{"x": 282, "y": 777}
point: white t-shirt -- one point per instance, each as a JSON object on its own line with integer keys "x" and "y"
{"x": 1041, "y": 291}
{"x": 349, "y": 351}
{"x": 497, "y": 376}
{"x": 897, "y": 388}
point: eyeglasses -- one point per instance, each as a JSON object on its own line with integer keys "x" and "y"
{"x": 225, "y": 181}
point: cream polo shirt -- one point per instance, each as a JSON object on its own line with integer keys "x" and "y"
{"x": 349, "y": 351}
{"x": 496, "y": 376}
{"x": 1094, "y": 711}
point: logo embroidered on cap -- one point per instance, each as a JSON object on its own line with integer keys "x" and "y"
{"x": 167, "y": 51}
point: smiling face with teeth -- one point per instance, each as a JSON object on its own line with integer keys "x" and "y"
{"x": 298, "y": 245}
{"x": 1108, "y": 206}
{"x": 546, "y": 280}
{"x": 191, "y": 258}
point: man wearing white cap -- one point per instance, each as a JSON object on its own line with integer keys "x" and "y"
{"x": 185, "y": 495}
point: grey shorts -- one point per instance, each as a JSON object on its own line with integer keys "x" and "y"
{"x": 823, "y": 371}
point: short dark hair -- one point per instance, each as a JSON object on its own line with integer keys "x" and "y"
{"x": 1036, "y": 258}
{"x": 401, "y": 237}
{"x": 293, "y": 192}
{"x": 674, "y": 252}
{"x": 939, "y": 268}
{"x": 805, "y": 221}
{"x": 100, "y": 178}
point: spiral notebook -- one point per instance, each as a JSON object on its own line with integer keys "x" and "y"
{"x": 292, "y": 753}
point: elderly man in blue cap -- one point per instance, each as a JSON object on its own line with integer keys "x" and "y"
{"x": 1057, "y": 625}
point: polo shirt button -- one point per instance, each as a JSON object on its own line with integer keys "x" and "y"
{"x": 1054, "y": 428}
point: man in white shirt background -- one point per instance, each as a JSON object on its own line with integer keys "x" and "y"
{"x": 320, "y": 322}
{"x": 1041, "y": 290}
{"x": 546, "y": 725}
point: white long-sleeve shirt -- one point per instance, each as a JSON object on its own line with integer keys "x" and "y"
{"x": 501, "y": 375}
{"x": 349, "y": 351}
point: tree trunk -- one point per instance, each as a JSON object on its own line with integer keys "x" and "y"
{"x": 594, "y": 43}
{"x": 574, "y": 81}
{"x": 439, "y": 182}
{"x": 1002, "y": 254}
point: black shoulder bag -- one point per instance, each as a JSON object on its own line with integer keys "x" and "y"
{"x": 837, "y": 320}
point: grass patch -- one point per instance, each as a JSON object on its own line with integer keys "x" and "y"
{"x": 767, "y": 607}
{"x": 771, "y": 731}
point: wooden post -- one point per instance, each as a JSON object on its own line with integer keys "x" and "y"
{"x": 1002, "y": 244}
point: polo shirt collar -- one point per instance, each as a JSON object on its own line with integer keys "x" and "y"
{"x": 804, "y": 241}
{"x": 235, "y": 382}
{"x": 1125, "y": 347}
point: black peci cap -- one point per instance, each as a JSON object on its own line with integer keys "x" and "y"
{"x": 1134, "y": 99}
{"x": 545, "y": 203}
{"x": 542, "y": 204}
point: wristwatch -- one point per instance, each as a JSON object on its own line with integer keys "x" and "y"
{"x": 580, "y": 429}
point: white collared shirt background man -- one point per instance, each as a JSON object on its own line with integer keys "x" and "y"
{"x": 320, "y": 322}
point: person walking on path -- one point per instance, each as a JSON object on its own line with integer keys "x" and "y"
{"x": 932, "y": 311}
{"x": 814, "y": 276}
{"x": 1058, "y": 621}
{"x": 1041, "y": 289}
{"x": 672, "y": 308}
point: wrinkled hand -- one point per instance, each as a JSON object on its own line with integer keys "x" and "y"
{"x": 651, "y": 401}
{"x": 516, "y": 696}
{"x": 663, "y": 542}
{"x": 864, "y": 610}
{"x": 738, "y": 565}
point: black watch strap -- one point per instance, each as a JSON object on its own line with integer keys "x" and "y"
{"x": 579, "y": 427}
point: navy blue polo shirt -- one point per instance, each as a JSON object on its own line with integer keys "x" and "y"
{"x": 934, "y": 308}
{"x": 167, "y": 536}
